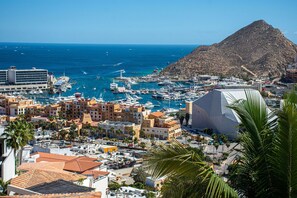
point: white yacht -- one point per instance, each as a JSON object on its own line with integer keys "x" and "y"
{"x": 149, "y": 105}
{"x": 113, "y": 86}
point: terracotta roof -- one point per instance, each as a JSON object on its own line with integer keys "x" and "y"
{"x": 81, "y": 164}
{"x": 72, "y": 163}
{"x": 157, "y": 114}
{"x": 49, "y": 157}
{"x": 37, "y": 176}
{"x": 70, "y": 195}
{"x": 171, "y": 122}
{"x": 42, "y": 165}
{"x": 95, "y": 173}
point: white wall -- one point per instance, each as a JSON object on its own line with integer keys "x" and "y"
{"x": 101, "y": 185}
{"x": 8, "y": 165}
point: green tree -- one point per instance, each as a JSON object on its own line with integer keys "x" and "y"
{"x": 180, "y": 162}
{"x": 17, "y": 134}
{"x": 111, "y": 132}
{"x": 142, "y": 145}
{"x": 141, "y": 133}
{"x": 3, "y": 186}
{"x": 84, "y": 132}
{"x": 267, "y": 166}
{"x": 100, "y": 129}
{"x": 73, "y": 133}
{"x": 62, "y": 134}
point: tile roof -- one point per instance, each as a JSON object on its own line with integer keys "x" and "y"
{"x": 64, "y": 195}
{"x": 60, "y": 186}
{"x": 49, "y": 157}
{"x": 95, "y": 173}
{"x": 72, "y": 163}
{"x": 81, "y": 164}
{"x": 36, "y": 175}
{"x": 42, "y": 165}
{"x": 157, "y": 114}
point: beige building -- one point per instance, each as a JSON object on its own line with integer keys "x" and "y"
{"x": 159, "y": 126}
{"x": 120, "y": 129}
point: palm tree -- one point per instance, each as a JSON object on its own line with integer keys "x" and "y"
{"x": 111, "y": 131}
{"x": 62, "y": 134}
{"x": 3, "y": 186}
{"x": 18, "y": 133}
{"x": 73, "y": 133}
{"x": 184, "y": 163}
{"x": 100, "y": 129}
{"x": 267, "y": 166}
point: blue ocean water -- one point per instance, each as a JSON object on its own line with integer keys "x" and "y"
{"x": 84, "y": 62}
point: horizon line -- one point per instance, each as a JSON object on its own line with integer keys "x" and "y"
{"x": 78, "y": 43}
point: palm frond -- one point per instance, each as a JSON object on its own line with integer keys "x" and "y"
{"x": 286, "y": 148}
{"x": 175, "y": 160}
{"x": 258, "y": 132}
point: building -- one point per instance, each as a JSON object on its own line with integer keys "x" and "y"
{"x": 120, "y": 129}
{"x": 27, "y": 76}
{"x": 96, "y": 175}
{"x": 7, "y": 159}
{"x": 158, "y": 125}
{"x": 46, "y": 178}
{"x": 23, "y": 80}
{"x": 211, "y": 111}
{"x": 3, "y": 77}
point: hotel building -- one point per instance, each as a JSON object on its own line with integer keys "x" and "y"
{"x": 23, "y": 80}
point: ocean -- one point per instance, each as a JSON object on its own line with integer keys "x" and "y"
{"x": 84, "y": 62}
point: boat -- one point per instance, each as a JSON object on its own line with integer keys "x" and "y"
{"x": 149, "y": 105}
{"x": 69, "y": 86}
{"x": 61, "y": 83}
{"x": 165, "y": 83}
{"x": 170, "y": 110}
{"x": 94, "y": 88}
{"x": 113, "y": 86}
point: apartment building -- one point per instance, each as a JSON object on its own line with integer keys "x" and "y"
{"x": 157, "y": 125}
{"x": 53, "y": 110}
{"x": 120, "y": 129}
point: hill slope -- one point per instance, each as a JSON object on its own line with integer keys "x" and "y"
{"x": 257, "y": 48}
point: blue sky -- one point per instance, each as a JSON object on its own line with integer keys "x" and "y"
{"x": 139, "y": 21}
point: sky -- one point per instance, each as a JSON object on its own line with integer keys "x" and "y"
{"x": 139, "y": 21}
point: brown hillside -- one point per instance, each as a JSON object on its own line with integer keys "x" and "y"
{"x": 258, "y": 47}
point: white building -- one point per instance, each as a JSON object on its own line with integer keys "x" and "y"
{"x": 23, "y": 80}
{"x": 211, "y": 111}
{"x": 7, "y": 159}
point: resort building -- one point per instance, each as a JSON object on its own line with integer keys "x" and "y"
{"x": 158, "y": 125}
{"x": 120, "y": 129}
{"x": 23, "y": 80}
{"x": 3, "y": 77}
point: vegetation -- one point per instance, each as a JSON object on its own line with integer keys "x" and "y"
{"x": 114, "y": 186}
{"x": 18, "y": 133}
{"x": 3, "y": 186}
{"x": 267, "y": 166}
{"x": 73, "y": 132}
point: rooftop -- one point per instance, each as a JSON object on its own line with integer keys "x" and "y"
{"x": 72, "y": 163}
{"x": 59, "y": 186}
{"x": 64, "y": 195}
{"x": 39, "y": 174}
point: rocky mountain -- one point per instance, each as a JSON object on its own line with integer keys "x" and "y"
{"x": 256, "y": 50}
